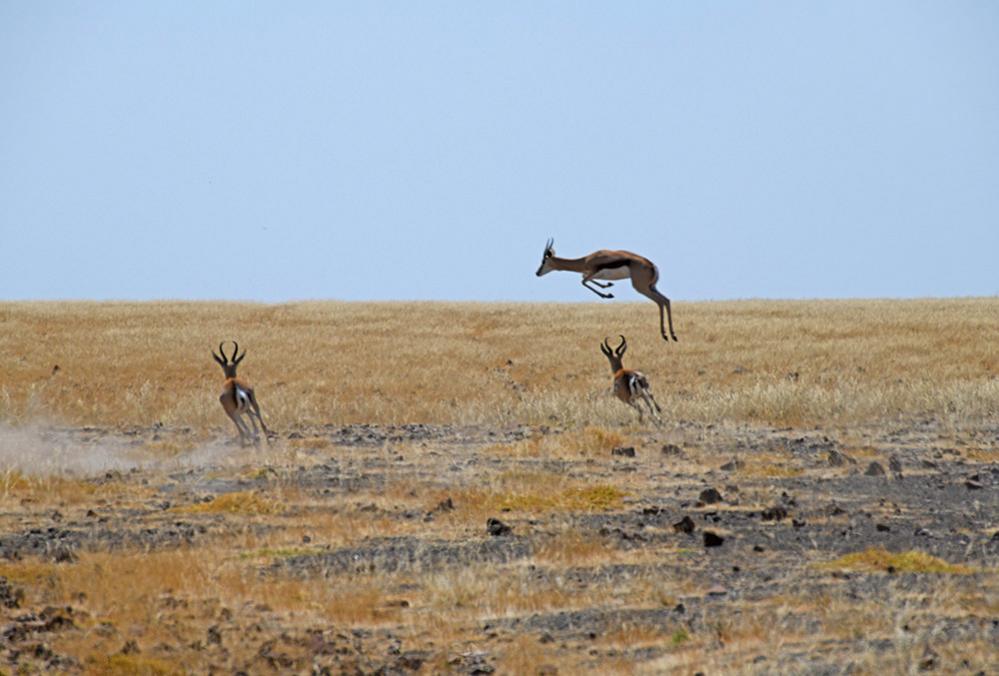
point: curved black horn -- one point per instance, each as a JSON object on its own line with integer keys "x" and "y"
{"x": 550, "y": 243}
{"x": 605, "y": 347}
{"x": 619, "y": 350}
{"x": 222, "y": 352}
{"x": 235, "y": 358}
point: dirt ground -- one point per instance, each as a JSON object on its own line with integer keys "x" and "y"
{"x": 468, "y": 549}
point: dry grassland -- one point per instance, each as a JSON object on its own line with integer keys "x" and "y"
{"x": 782, "y": 363}
{"x": 137, "y": 538}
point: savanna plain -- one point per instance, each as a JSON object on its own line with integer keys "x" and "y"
{"x": 452, "y": 488}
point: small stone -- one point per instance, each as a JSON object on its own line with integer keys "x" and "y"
{"x": 875, "y": 469}
{"x": 775, "y": 513}
{"x": 672, "y": 449}
{"x": 546, "y": 638}
{"x": 710, "y": 496}
{"x": 497, "y": 528}
{"x": 973, "y": 485}
{"x": 624, "y": 451}
{"x": 712, "y": 539}
{"x": 882, "y": 528}
{"x": 732, "y": 465}
{"x": 717, "y": 591}
{"x": 684, "y": 525}
{"x": 679, "y": 609}
{"x": 838, "y": 459}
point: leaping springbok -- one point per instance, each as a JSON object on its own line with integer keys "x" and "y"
{"x": 629, "y": 385}
{"x": 608, "y": 265}
{"x": 237, "y": 396}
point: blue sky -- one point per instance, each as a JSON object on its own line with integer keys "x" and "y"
{"x": 396, "y": 150}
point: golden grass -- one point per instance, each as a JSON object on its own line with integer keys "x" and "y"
{"x": 238, "y": 502}
{"x": 878, "y": 559}
{"x": 329, "y": 362}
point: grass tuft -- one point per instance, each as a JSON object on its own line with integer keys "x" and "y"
{"x": 879, "y": 559}
{"x": 239, "y": 502}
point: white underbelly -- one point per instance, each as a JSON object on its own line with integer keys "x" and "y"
{"x": 622, "y": 272}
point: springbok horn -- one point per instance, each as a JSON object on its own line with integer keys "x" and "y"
{"x": 619, "y": 350}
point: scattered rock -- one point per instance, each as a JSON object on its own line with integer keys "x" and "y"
{"x": 130, "y": 648}
{"x": 497, "y": 528}
{"x": 672, "y": 449}
{"x": 882, "y": 528}
{"x": 775, "y": 513}
{"x": 732, "y": 465}
{"x": 10, "y": 596}
{"x": 624, "y": 451}
{"x": 712, "y": 539}
{"x": 710, "y": 496}
{"x": 717, "y": 591}
{"x": 684, "y": 525}
{"x": 875, "y": 469}
{"x": 973, "y": 485}
{"x": 838, "y": 459}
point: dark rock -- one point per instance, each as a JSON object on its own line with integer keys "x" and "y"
{"x": 973, "y": 485}
{"x": 710, "y": 496}
{"x": 874, "y": 469}
{"x": 10, "y": 596}
{"x": 732, "y": 465}
{"x": 775, "y": 513}
{"x": 624, "y": 451}
{"x": 798, "y": 524}
{"x": 214, "y": 635}
{"x": 497, "y": 528}
{"x": 684, "y": 525}
{"x": 838, "y": 459}
{"x": 672, "y": 449}
{"x": 712, "y": 539}
{"x": 882, "y": 528}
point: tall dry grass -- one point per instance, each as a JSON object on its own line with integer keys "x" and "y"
{"x": 779, "y": 362}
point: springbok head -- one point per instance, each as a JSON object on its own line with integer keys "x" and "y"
{"x": 545, "y": 266}
{"x": 229, "y": 366}
{"x": 614, "y": 355}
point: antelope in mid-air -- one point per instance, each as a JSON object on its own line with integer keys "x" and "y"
{"x": 629, "y": 385}
{"x": 611, "y": 265}
{"x": 237, "y": 396}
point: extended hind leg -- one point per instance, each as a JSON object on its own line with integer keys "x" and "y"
{"x": 256, "y": 412}
{"x": 654, "y": 409}
{"x": 662, "y": 301}
{"x": 240, "y": 426}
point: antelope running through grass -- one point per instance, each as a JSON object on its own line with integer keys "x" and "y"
{"x": 629, "y": 385}
{"x": 237, "y": 396}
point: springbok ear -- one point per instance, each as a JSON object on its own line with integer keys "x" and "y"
{"x": 605, "y": 349}
{"x": 218, "y": 359}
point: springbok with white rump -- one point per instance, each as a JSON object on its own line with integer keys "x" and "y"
{"x": 237, "y": 396}
{"x": 629, "y": 385}
{"x": 613, "y": 265}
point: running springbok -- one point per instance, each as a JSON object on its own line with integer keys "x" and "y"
{"x": 608, "y": 265}
{"x": 237, "y": 396}
{"x": 629, "y": 385}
